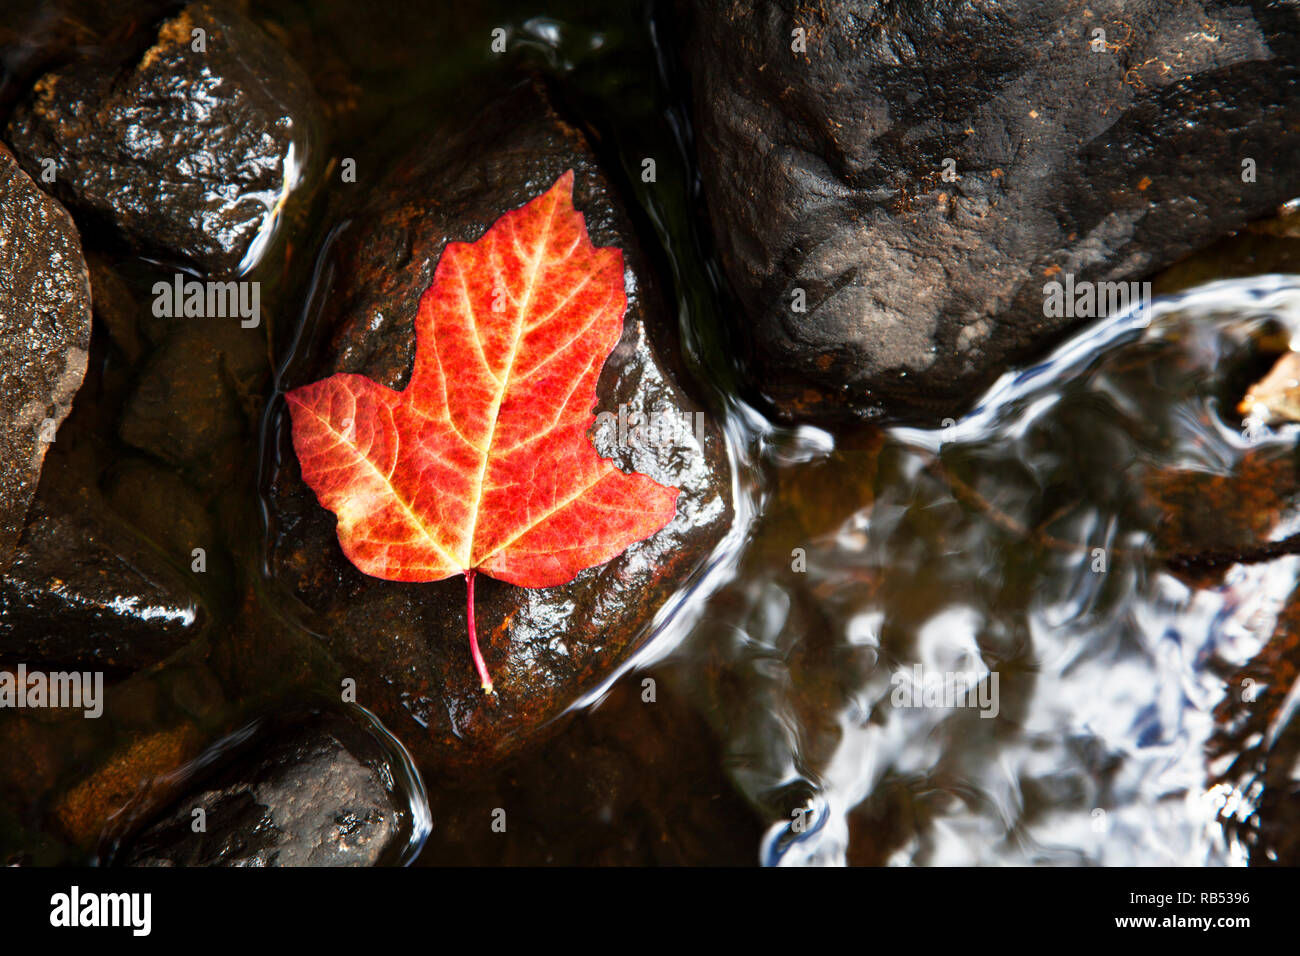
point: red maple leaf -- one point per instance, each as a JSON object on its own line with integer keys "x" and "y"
{"x": 483, "y": 461}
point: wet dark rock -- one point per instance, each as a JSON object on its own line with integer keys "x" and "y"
{"x": 186, "y": 153}
{"x": 197, "y": 397}
{"x": 86, "y": 587}
{"x": 406, "y": 644}
{"x": 186, "y": 390}
{"x": 44, "y": 336}
{"x": 116, "y": 310}
{"x": 318, "y": 794}
{"x": 162, "y": 508}
{"x": 823, "y": 171}
{"x": 104, "y": 573}
{"x": 634, "y": 782}
{"x": 138, "y": 773}
{"x": 36, "y": 36}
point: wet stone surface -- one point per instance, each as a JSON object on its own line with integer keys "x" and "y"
{"x": 104, "y": 571}
{"x": 637, "y": 781}
{"x": 186, "y": 153}
{"x": 823, "y": 170}
{"x": 88, "y": 586}
{"x": 44, "y": 336}
{"x": 874, "y": 552}
{"x": 196, "y": 398}
{"x": 318, "y": 793}
{"x": 406, "y": 644}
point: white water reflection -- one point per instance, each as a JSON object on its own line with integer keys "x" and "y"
{"x": 1019, "y": 541}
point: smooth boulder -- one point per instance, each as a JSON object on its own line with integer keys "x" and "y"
{"x": 892, "y": 186}
{"x": 406, "y": 645}
{"x": 316, "y": 792}
{"x": 91, "y": 586}
{"x": 189, "y": 150}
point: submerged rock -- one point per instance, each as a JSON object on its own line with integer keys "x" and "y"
{"x": 1208, "y": 522}
{"x": 197, "y": 397}
{"x": 913, "y": 174}
{"x": 189, "y": 150}
{"x": 320, "y": 794}
{"x": 406, "y": 644}
{"x": 634, "y": 782}
{"x": 136, "y": 774}
{"x": 44, "y": 336}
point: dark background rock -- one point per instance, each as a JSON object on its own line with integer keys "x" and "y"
{"x": 44, "y": 336}
{"x": 823, "y": 171}
{"x": 633, "y": 782}
{"x": 86, "y": 587}
{"x": 103, "y": 574}
{"x": 197, "y": 397}
{"x": 406, "y": 644}
{"x": 314, "y": 793}
{"x": 36, "y": 35}
{"x": 186, "y": 154}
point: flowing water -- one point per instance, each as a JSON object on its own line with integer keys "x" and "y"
{"x": 1018, "y": 549}
{"x": 965, "y": 644}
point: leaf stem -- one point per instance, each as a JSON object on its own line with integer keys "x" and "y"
{"x": 479, "y": 665}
